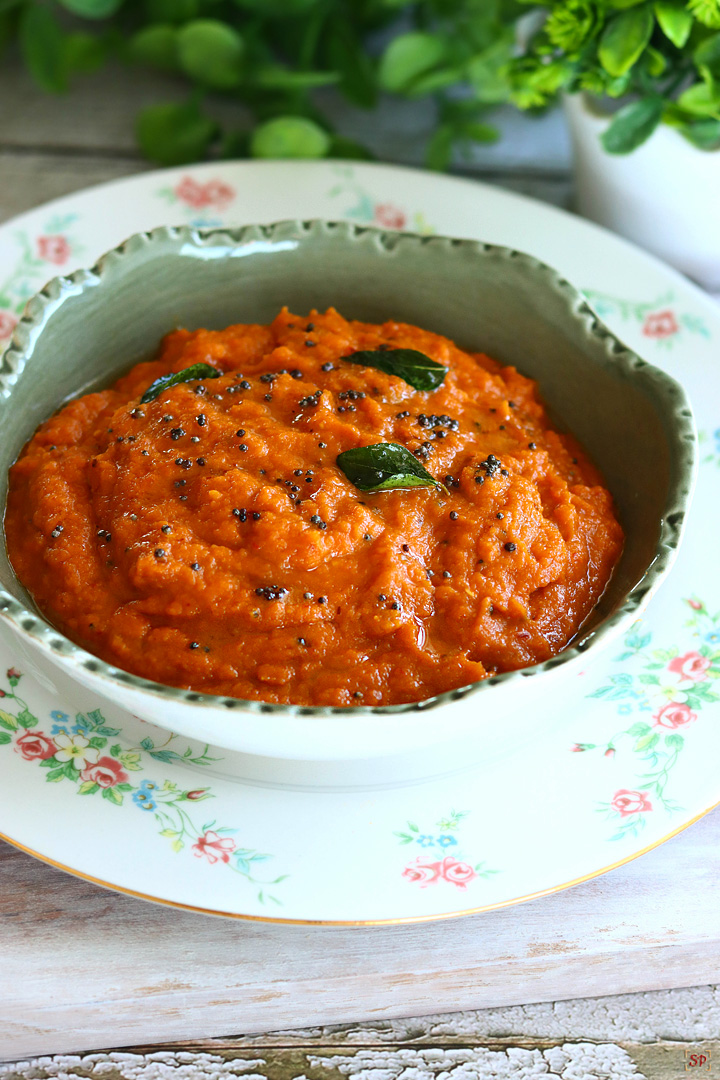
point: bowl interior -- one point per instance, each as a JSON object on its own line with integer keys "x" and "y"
{"x": 82, "y": 333}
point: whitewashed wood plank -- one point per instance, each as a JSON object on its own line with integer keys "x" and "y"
{"x": 690, "y": 1014}
{"x": 74, "y": 955}
{"x": 499, "y": 1060}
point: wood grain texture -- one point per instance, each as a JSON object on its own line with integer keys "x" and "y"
{"x": 74, "y": 954}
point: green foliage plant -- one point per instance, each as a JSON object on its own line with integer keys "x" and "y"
{"x": 660, "y": 59}
{"x": 272, "y": 57}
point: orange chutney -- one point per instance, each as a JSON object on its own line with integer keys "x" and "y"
{"x": 209, "y": 540}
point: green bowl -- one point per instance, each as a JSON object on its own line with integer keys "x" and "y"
{"x": 81, "y": 332}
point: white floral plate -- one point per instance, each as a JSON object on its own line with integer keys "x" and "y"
{"x": 626, "y": 758}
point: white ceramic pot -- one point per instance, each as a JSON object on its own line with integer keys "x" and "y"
{"x": 664, "y": 196}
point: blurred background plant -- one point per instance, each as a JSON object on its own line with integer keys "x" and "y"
{"x": 660, "y": 59}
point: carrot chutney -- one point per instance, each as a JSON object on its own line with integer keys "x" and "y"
{"x": 210, "y": 537}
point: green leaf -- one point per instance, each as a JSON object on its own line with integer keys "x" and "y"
{"x": 7, "y": 30}
{"x": 655, "y": 62}
{"x": 83, "y": 54}
{"x": 639, "y": 728}
{"x": 155, "y": 46}
{"x": 42, "y": 47}
{"x": 55, "y": 775}
{"x": 97, "y": 743}
{"x": 88, "y": 787}
{"x": 411, "y": 366}
{"x": 346, "y": 54}
{"x": 276, "y": 77}
{"x": 384, "y": 466}
{"x": 702, "y": 100}
{"x": 676, "y": 742}
{"x": 112, "y": 795}
{"x": 438, "y": 153}
{"x": 477, "y": 132}
{"x": 705, "y": 134}
{"x": 624, "y": 39}
{"x": 26, "y": 719}
{"x": 289, "y": 137}
{"x": 193, "y": 373}
{"x": 407, "y": 58}
{"x": 675, "y": 21}
{"x": 92, "y": 9}
{"x": 646, "y": 742}
{"x": 487, "y": 71}
{"x": 174, "y": 134}
{"x": 632, "y": 125}
{"x": 212, "y": 53}
{"x": 171, "y": 11}
{"x": 7, "y": 720}
{"x": 5, "y": 738}
{"x": 707, "y": 56}
{"x": 707, "y": 12}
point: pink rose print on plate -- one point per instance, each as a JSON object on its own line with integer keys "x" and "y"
{"x": 53, "y": 249}
{"x": 630, "y": 802}
{"x": 8, "y": 323}
{"x": 213, "y": 193}
{"x": 660, "y": 324}
{"x": 458, "y": 873}
{"x": 34, "y": 746}
{"x": 674, "y": 715}
{"x": 691, "y": 667}
{"x": 106, "y": 772}
{"x": 435, "y": 864}
{"x": 422, "y": 873}
{"x": 389, "y": 216}
{"x": 215, "y": 848}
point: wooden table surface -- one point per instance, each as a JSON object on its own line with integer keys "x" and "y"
{"x": 84, "y": 969}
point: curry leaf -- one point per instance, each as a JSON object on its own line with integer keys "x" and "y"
{"x": 189, "y": 374}
{"x": 413, "y": 367}
{"x": 384, "y": 466}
